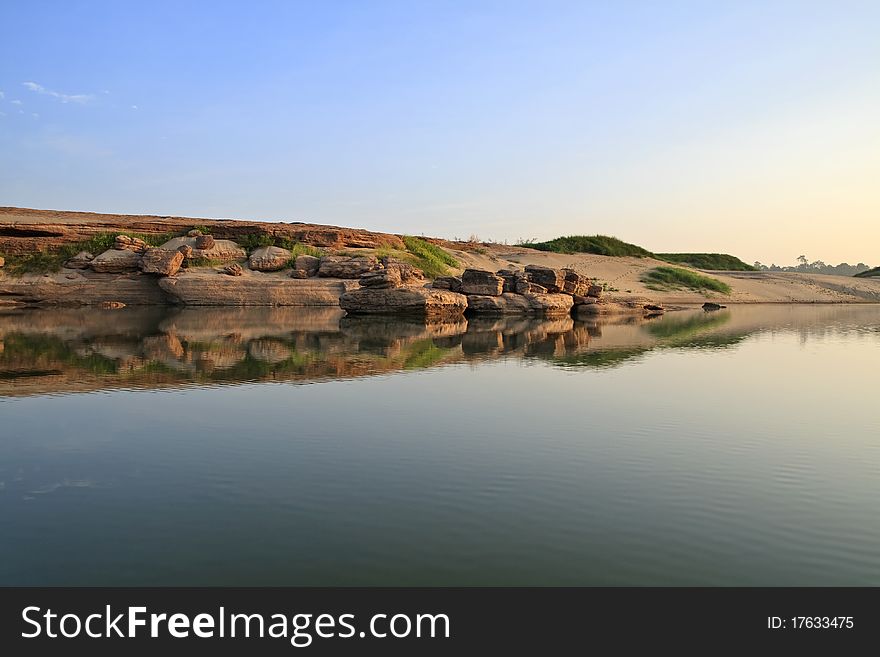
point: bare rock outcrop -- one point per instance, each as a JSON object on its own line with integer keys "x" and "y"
{"x": 479, "y": 281}
{"x": 206, "y": 288}
{"x": 547, "y": 277}
{"x": 116, "y": 261}
{"x": 381, "y": 279}
{"x": 346, "y": 267}
{"x": 418, "y": 301}
{"x": 451, "y": 283}
{"x": 523, "y": 304}
{"x": 307, "y": 263}
{"x": 161, "y": 262}
{"x": 80, "y": 261}
{"x": 269, "y": 258}
{"x": 222, "y": 250}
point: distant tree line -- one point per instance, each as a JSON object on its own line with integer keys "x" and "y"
{"x": 817, "y": 267}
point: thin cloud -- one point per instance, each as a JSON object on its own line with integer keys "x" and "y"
{"x": 64, "y": 98}
{"x": 2, "y": 95}
{"x": 15, "y": 102}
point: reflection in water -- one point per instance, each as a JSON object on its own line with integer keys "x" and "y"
{"x": 738, "y": 447}
{"x": 57, "y": 351}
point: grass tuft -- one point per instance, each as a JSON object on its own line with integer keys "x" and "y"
{"x": 672, "y": 278}
{"x": 428, "y": 257}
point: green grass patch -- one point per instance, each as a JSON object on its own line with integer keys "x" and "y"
{"x": 45, "y": 262}
{"x": 429, "y": 257}
{"x": 710, "y": 261}
{"x": 597, "y": 244}
{"x": 672, "y": 278}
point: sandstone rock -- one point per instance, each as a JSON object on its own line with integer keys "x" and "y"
{"x": 133, "y": 289}
{"x": 186, "y": 250}
{"x": 233, "y": 269}
{"x": 381, "y": 278}
{"x": 580, "y": 300}
{"x": 195, "y": 232}
{"x": 595, "y": 291}
{"x": 2, "y": 262}
{"x": 547, "y": 277}
{"x": 204, "y": 242}
{"x": 112, "y": 305}
{"x": 162, "y": 262}
{"x": 654, "y": 308}
{"x": 80, "y": 261}
{"x": 709, "y": 306}
{"x": 420, "y": 301}
{"x": 509, "y": 278}
{"x": 479, "y": 281}
{"x": 299, "y": 273}
{"x": 452, "y": 283}
{"x": 307, "y": 263}
{"x": 206, "y": 288}
{"x": 223, "y": 250}
{"x": 504, "y": 304}
{"x": 408, "y": 273}
{"x": 621, "y": 307}
{"x": 550, "y": 304}
{"x": 116, "y": 261}
{"x": 124, "y": 242}
{"x": 574, "y": 283}
{"x": 345, "y": 267}
{"x": 520, "y": 304}
{"x": 269, "y": 258}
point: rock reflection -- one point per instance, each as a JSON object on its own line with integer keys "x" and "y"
{"x": 75, "y": 350}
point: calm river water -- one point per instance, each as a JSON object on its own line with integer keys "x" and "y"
{"x": 293, "y": 447}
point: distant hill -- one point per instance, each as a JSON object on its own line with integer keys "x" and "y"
{"x": 611, "y": 246}
{"x": 710, "y": 261}
{"x": 597, "y": 244}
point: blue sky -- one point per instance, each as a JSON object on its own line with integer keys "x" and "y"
{"x": 747, "y": 127}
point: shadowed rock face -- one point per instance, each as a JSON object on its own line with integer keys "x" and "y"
{"x": 419, "y": 301}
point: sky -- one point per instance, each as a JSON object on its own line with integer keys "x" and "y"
{"x": 751, "y": 128}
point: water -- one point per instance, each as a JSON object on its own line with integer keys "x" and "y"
{"x": 286, "y": 447}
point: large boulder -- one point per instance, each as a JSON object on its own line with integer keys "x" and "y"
{"x": 522, "y": 285}
{"x": 419, "y": 301}
{"x": 550, "y": 304}
{"x": 452, "y": 283}
{"x": 575, "y": 283}
{"x": 80, "y": 261}
{"x": 479, "y": 281}
{"x": 634, "y": 306}
{"x": 547, "y": 277}
{"x": 308, "y": 264}
{"x": 2, "y": 262}
{"x": 502, "y": 304}
{"x": 346, "y": 267}
{"x": 222, "y": 250}
{"x": 116, "y": 261}
{"x": 269, "y": 258}
{"x": 162, "y": 262}
{"x": 204, "y": 242}
{"x": 520, "y": 304}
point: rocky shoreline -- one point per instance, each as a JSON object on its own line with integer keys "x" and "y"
{"x": 198, "y": 269}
